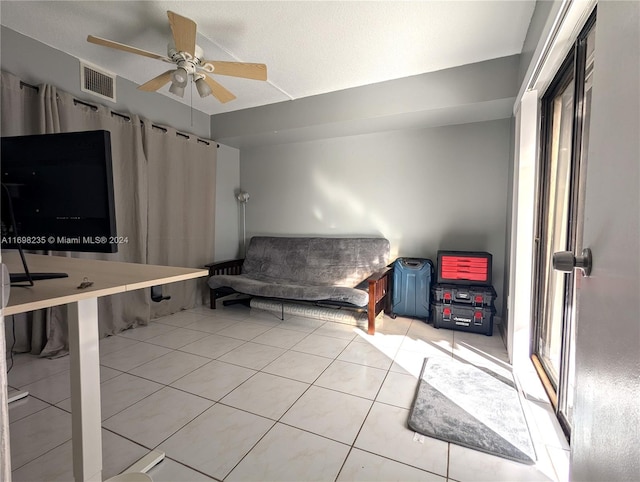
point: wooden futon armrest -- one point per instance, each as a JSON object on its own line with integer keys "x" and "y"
{"x": 379, "y": 296}
{"x": 232, "y": 266}
{"x": 379, "y": 274}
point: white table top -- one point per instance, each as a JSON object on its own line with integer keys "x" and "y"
{"x": 109, "y": 277}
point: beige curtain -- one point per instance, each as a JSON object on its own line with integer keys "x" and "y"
{"x": 63, "y": 113}
{"x": 23, "y": 103}
{"x": 160, "y": 177}
{"x": 181, "y": 173}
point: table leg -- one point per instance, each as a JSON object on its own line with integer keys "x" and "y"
{"x": 16, "y": 395}
{"x": 5, "y": 452}
{"x": 85, "y": 390}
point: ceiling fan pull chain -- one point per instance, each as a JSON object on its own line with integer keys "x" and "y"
{"x": 191, "y": 104}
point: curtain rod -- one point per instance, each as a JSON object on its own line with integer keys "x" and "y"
{"x": 123, "y": 116}
{"x": 128, "y": 119}
{"x": 34, "y": 87}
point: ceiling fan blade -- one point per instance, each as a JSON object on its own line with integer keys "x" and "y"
{"x": 157, "y": 82}
{"x": 126, "y": 48}
{"x": 218, "y": 91}
{"x": 239, "y": 69}
{"x": 184, "y": 32}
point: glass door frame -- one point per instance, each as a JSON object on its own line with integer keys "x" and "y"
{"x": 573, "y": 69}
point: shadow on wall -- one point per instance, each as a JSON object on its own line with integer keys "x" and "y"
{"x": 343, "y": 211}
{"x": 340, "y": 197}
{"x": 461, "y": 240}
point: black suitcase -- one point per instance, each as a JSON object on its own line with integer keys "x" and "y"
{"x": 463, "y": 317}
{"x": 470, "y": 295}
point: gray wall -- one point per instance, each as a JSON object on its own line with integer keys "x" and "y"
{"x": 36, "y": 63}
{"x": 423, "y": 189}
{"x": 395, "y": 183}
{"x": 470, "y": 93}
{"x": 227, "y": 210}
{"x": 545, "y": 9}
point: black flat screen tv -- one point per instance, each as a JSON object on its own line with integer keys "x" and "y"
{"x": 57, "y": 192}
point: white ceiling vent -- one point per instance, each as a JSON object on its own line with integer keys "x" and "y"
{"x": 97, "y": 81}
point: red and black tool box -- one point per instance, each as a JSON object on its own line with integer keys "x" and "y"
{"x": 467, "y": 294}
{"x": 473, "y": 319}
{"x": 464, "y": 267}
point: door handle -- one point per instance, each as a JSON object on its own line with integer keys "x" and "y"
{"x": 567, "y": 262}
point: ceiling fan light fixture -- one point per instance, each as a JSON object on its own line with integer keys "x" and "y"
{"x": 203, "y": 88}
{"x": 180, "y": 77}
{"x": 177, "y": 89}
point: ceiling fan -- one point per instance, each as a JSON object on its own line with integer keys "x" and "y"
{"x": 189, "y": 60}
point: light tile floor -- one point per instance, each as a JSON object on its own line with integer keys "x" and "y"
{"x": 237, "y": 394}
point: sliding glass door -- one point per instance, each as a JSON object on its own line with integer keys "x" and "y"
{"x": 565, "y": 133}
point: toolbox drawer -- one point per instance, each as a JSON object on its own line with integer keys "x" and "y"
{"x": 464, "y": 267}
{"x": 468, "y": 294}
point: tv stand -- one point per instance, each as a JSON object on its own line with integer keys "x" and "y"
{"x": 22, "y": 277}
{"x": 27, "y": 276}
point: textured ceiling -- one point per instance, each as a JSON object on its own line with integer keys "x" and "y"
{"x": 310, "y": 47}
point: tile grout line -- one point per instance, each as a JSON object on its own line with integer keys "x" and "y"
{"x": 47, "y": 451}
{"x": 291, "y": 349}
{"x": 353, "y": 445}
{"x": 164, "y": 385}
{"x": 279, "y": 420}
{"x": 276, "y": 422}
{"x": 154, "y": 448}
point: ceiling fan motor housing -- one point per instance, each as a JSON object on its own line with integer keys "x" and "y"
{"x": 184, "y": 59}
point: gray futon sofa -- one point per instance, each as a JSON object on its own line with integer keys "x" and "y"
{"x": 351, "y": 272}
